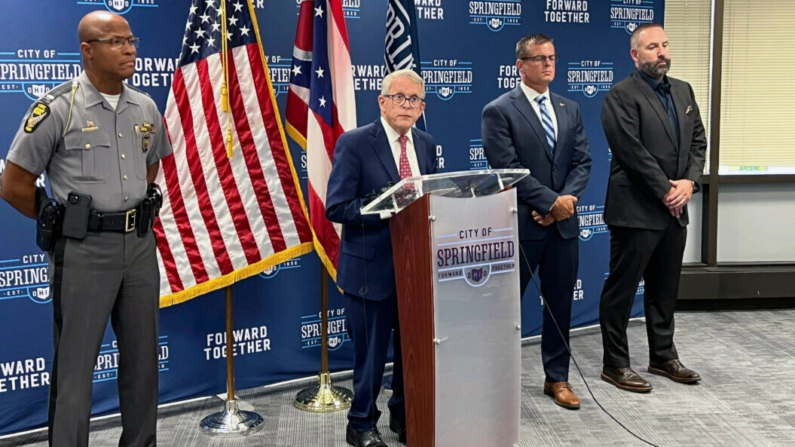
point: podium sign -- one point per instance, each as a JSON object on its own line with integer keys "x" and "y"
{"x": 477, "y": 320}
{"x": 456, "y": 250}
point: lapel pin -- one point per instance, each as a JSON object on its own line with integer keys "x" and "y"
{"x": 689, "y": 108}
{"x": 562, "y": 105}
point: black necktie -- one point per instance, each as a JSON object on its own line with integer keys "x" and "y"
{"x": 665, "y": 91}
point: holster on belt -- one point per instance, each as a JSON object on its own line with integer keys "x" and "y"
{"x": 148, "y": 209}
{"x": 48, "y": 224}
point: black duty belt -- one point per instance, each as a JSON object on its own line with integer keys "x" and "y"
{"x": 122, "y": 221}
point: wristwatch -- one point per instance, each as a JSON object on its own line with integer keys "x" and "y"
{"x": 696, "y": 188}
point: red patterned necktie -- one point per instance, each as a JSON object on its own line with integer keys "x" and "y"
{"x": 405, "y": 167}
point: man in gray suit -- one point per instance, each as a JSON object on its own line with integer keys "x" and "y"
{"x": 654, "y": 129}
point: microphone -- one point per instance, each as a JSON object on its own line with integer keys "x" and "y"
{"x": 372, "y": 195}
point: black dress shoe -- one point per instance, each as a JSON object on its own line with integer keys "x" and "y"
{"x": 674, "y": 370}
{"x": 626, "y": 379}
{"x": 398, "y": 426}
{"x": 369, "y": 438}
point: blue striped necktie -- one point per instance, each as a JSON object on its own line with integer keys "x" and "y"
{"x": 546, "y": 121}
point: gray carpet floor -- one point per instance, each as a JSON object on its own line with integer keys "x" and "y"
{"x": 746, "y": 359}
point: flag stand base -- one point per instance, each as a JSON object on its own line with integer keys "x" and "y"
{"x": 323, "y": 397}
{"x": 231, "y": 422}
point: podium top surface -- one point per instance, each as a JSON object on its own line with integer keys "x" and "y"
{"x": 462, "y": 184}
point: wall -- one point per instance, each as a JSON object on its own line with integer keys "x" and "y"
{"x": 755, "y": 223}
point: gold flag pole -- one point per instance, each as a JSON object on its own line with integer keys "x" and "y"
{"x": 225, "y": 87}
{"x": 232, "y": 421}
{"x": 323, "y": 397}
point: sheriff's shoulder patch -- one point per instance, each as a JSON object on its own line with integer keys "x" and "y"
{"x": 39, "y": 113}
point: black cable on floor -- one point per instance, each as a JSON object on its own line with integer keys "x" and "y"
{"x": 568, "y": 348}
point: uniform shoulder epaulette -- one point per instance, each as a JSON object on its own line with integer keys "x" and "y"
{"x": 51, "y": 95}
{"x": 137, "y": 90}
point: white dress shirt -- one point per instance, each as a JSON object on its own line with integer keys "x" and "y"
{"x": 531, "y": 95}
{"x": 394, "y": 143}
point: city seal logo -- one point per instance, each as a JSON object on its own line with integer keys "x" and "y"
{"x": 34, "y": 71}
{"x": 286, "y": 265}
{"x": 592, "y": 221}
{"x": 120, "y": 6}
{"x": 38, "y": 90}
{"x": 495, "y": 14}
{"x": 477, "y": 276}
{"x": 627, "y": 15}
{"x": 270, "y": 272}
{"x": 590, "y": 77}
{"x": 311, "y": 335}
{"x": 40, "y": 293}
{"x": 476, "y": 255}
{"x": 25, "y": 277}
{"x": 447, "y": 77}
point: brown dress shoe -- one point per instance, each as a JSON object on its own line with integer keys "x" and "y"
{"x": 563, "y": 394}
{"x": 674, "y": 370}
{"x": 626, "y": 379}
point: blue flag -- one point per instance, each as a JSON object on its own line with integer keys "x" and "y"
{"x": 402, "y": 48}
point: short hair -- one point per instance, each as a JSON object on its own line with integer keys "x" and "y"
{"x": 535, "y": 39}
{"x": 406, "y": 72}
{"x": 634, "y": 39}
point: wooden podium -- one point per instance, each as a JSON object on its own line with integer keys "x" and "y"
{"x": 456, "y": 253}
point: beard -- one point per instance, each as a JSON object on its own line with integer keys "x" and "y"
{"x": 654, "y": 69}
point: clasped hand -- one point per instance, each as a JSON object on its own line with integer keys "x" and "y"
{"x": 562, "y": 209}
{"x": 679, "y": 195}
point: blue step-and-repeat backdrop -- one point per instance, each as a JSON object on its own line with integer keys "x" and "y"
{"x": 467, "y": 50}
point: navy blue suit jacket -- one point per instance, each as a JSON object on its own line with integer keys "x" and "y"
{"x": 513, "y": 137}
{"x": 363, "y": 163}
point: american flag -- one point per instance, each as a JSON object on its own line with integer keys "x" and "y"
{"x": 402, "y": 46}
{"x": 224, "y": 219}
{"x": 321, "y": 107}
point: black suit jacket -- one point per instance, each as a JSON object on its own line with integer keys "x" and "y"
{"x": 513, "y": 137}
{"x": 645, "y": 151}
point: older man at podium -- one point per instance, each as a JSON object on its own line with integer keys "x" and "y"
{"x": 367, "y": 159}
